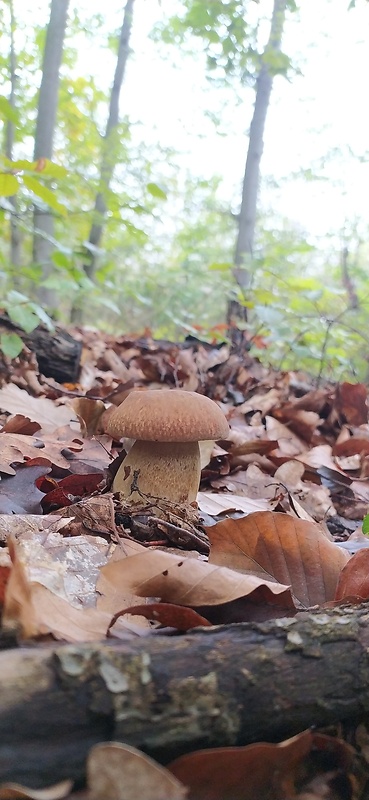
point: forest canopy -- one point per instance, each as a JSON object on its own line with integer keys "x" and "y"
{"x": 124, "y": 199}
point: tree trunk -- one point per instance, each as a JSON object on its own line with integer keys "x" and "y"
{"x": 107, "y": 160}
{"x": 44, "y": 136}
{"x": 248, "y": 213}
{"x": 168, "y": 695}
{"x": 15, "y": 236}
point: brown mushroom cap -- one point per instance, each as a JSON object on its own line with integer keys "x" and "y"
{"x": 168, "y": 415}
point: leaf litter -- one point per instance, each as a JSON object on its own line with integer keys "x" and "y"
{"x": 294, "y": 468}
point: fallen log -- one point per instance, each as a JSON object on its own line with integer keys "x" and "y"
{"x": 169, "y": 695}
{"x": 58, "y": 353}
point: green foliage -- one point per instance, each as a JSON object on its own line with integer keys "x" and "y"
{"x": 365, "y": 525}
{"x": 11, "y": 344}
{"x": 226, "y": 30}
{"x": 24, "y": 312}
{"x": 300, "y": 321}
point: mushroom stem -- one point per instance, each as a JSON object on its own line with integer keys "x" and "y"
{"x": 160, "y": 469}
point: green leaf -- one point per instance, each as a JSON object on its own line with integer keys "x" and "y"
{"x": 156, "y": 191}
{"x": 7, "y": 111}
{"x": 365, "y": 525}
{"x": 44, "y": 193}
{"x": 8, "y": 185}
{"x": 21, "y": 164}
{"x": 220, "y": 266}
{"x": 13, "y": 297}
{"x": 46, "y": 167}
{"x": 43, "y": 316}
{"x": 61, "y": 259}
{"x": 24, "y": 317}
{"x": 11, "y": 344}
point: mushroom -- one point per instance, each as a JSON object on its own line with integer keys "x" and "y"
{"x": 167, "y": 425}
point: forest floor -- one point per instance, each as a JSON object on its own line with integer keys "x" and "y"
{"x": 277, "y": 531}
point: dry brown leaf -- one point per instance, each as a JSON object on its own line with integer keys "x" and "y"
{"x": 214, "y": 504}
{"x": 319, "y": 456}
{"x": 15, "y": 447}
{"x": 89, "y": 414}
{"x": 36, "y": 611}
{"x": 168, "y": 614}
{"x": 261, "y": 771}
{"x": 274, "y": 545}
{"x": 261, "y": 402}
{"x": 14, "y": 791}
{"x": 117, "y": 771}
{"x": 38, "y": 409}
{"x": 354, "y": 579}
{"x": 184, "y": 581}
{"x": 288, "y": 444}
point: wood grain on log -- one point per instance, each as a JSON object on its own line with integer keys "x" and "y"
{"x": 172, "y": 694}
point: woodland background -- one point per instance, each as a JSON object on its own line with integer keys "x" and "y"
{"x": 104, "y": 221}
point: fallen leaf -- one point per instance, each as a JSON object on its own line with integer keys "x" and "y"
{"x": 18, "y": 493}
{"x": 20, "y": 424}
{"x": 275, "y": 545}
{"x": 38, "y": 409}
{"x": 36, "y": 611}
{"x": 351, "y": 401}
{"x": 354, "y": 578}
{"x": 89, "y": 413}
{"x": 117, "y": 771}
{"x": 10, "y": 791}
{"x": 259, "y": 771}
{"x": 69, "y": 490}
{"x": 168, "y": 614}
{"x": 18, "y": 524}
{"x": 15, "y": 447}
{"x": 183, "y": 581}
{"x": 214, "y": 503}
{"x": 288, "y": 443}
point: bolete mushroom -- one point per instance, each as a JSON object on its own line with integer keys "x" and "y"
{"x": 167, "y": 425}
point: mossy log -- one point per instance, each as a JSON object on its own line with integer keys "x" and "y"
{"x": 169, "y": 695}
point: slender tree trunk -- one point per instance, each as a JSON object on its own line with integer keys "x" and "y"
{"x": 248, "y": 213}
{"x": 44, "y": 137}
{"x": 15, "y": 236}
{"x": 107, "y": 160}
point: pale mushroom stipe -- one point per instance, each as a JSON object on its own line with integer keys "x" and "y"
{"x": 167, "y": 425}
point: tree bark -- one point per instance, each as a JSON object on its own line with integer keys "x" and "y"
{"x": 247, "y": 219}
{"x": 58, "y": 353}
{"x": 108, "y": 161}
{"x": 15, "y": 236}
{"x": 169, "y": 695}
{"x": 44, "y": 136}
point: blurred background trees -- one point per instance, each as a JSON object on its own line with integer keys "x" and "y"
{"x": 107, "y": 223}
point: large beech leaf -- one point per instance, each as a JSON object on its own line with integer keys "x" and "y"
{"x": 263, "y": 771}
{"x": 280, "y": 547}
{"x": 117, "y": 771}
{"x": 184, "y": 581}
